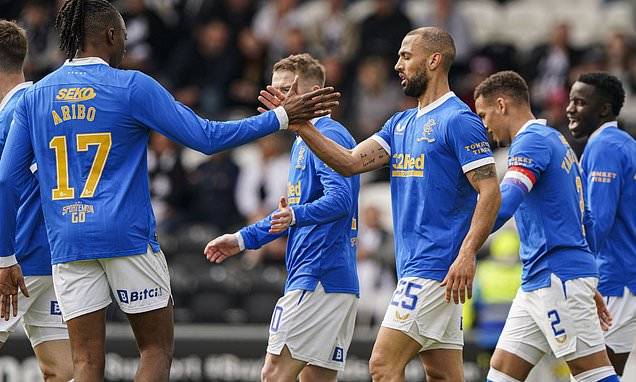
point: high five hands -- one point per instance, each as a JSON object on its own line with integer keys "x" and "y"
{"x": 300, "y": 108}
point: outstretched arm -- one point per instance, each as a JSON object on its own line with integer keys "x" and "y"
{"x": 367, "y": 156}
{"x": 459, "y": 280}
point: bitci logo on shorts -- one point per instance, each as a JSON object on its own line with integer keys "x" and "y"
{"x": 127, "y": 297}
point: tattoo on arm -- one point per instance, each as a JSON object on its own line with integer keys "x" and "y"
{"x": 484, "y": 172}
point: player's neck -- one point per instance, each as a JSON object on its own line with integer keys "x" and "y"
{"x": 8, "y": 81}
{"x": 92, "y": 52}
{"x": 434, "y": 91}
{"x": 518, "y": 118}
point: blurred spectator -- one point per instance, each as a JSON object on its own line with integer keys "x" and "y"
{"x": 381, "y": 33}
{"x": 213, "y": 186}
{"x": 243, "y": 91}
{"x": 621, "y": 60}
{"x": 480, "y": 67}
{"x": 238, "y": 14}
{"x": 272, "y": 21}
{"x": 263, "y": 178}
{"x": 447, "y": 16}
{"x": 43, "y": 55}
{"x": 549, "y": 65}
{"x": 376, "y": 267}
{"x": 168, "y": 185}
{"x": 375, "y": 97}
{"x": 496, "y": 282}
{"x": 202, "y": 70}
{"x": 330, "y": 32}
{"x": 148, "y": 39}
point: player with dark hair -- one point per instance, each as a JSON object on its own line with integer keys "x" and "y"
{"x": 609, "y": 173}
{"x": 39, "y": 310}
{"x": 440, "y": 163}
{"x": 87, "y": 126}
{"x": 312, "y": 324}
{"x": 556, "y": 308}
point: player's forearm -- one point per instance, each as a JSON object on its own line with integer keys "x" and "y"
{"x": 326, "y": 209}
{"x": 225, "y": 135}
{"x": 483, "y": 219}
{"x": 334, "y": 155}
{"x": 257, "y": 235}
{"x": 511, "y": 198}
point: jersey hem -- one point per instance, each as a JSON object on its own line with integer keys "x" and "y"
{"x": 103, "y": 255}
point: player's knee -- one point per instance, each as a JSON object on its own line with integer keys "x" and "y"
{"x": 381, "y": 367}
{"x": 269, "y": 372}
{"x": 61, "y": 371}
{"x": 435, "y": 374}
{"x": 160, "y": 356}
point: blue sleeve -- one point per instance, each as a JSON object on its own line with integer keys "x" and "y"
{"x": 385, "y": 135}
{"x": 511, "y": 198}
{"x": 467, "y": 138}
{"x": 336, "y": 201}
{"x": 152, "y": 106}
{"x": 257, "y": 234}
{"x": 527, "y": 159}
{"x": 14, "y": 172}
{"x": 603, "y": 168}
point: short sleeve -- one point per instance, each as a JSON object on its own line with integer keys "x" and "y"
{"x": 469, "y": 142}
{"x": 530, "y": 154}
{"x": 385, "y": 135}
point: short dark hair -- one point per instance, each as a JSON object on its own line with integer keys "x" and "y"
{"x": 508, "y": 83}
{"x": 607, "y": 87}
{"x": 304, "y": 65}
{"x": 78, "y": 18}
{"x": 437, "y": 40}
{"x": 13, "y": 46}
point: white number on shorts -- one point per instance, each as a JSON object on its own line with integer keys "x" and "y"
{"x": 408, "y": 300}
{"x": 278, "y": 313}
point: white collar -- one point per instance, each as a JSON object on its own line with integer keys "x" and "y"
{"x": 433, "y": 105}
{"x": 532, "y": 122}
{"x": 603, "y": 127}
{"x": 11, "y": 92}
{"x": 85, "y": 61}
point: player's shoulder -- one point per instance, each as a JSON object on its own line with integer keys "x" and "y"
{"x": 334, "y": 130}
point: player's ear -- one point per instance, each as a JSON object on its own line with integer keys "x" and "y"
{"x": 501, "y": 105}
{"x": 605, "y": 111}
{"x": 434, "y": 61}
{"x": 110, "y": 36}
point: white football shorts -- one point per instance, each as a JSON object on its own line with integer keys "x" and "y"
{"x": 419, "y": 309}
{"x": 620, "y": 336}
{"x": 140, "y": 283}
{"x": 561, "y": 319}
{"x": 40, "y": 313}
{"x": 317, "y": 327}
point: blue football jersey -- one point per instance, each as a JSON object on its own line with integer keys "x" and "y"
{"x": 550, "y": 217}
{"x": 609, "y": 170}
{"x": 433, "y": 202}
{"x": 321, "y": 245}
{"x": 87, "y": 125}
{"x": 31, "y": 243}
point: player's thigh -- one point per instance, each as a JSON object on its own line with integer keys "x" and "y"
{"x": 510, "y": 364}
{"x": 443, "y": 364}
{"x": 140, "y": 283}
{"x": 55, "y": 360}
{"x": 588, "y": 362}
{"x": 281, "y": 367}
{"x": 43, "y": 321}
{"x": 312, "y": 373}
{"x": 393, "y": 348}
{"x": 154, "y": 330}
{"x": 87, "y": 336}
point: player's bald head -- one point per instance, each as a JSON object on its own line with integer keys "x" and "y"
{"x": 435, "y": 40}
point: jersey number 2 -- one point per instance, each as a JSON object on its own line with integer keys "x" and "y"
{"x": 58, "y": 144}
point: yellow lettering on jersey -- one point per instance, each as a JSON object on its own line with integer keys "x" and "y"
{"x": 569, "y": 160}
{"x": 74, "y": 112}
{"x": 66, "y": 113}
{"x": 406, "y": 165}
{"x": 56, "y": 118}
{"x": 354, "y": 224}
{"x": 293, "y": 193}
{"x": 75, "y": 94}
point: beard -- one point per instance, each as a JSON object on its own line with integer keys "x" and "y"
{"x": 417, "y": 85}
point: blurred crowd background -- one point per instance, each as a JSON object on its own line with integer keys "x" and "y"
{"x": 215, "y": 55}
